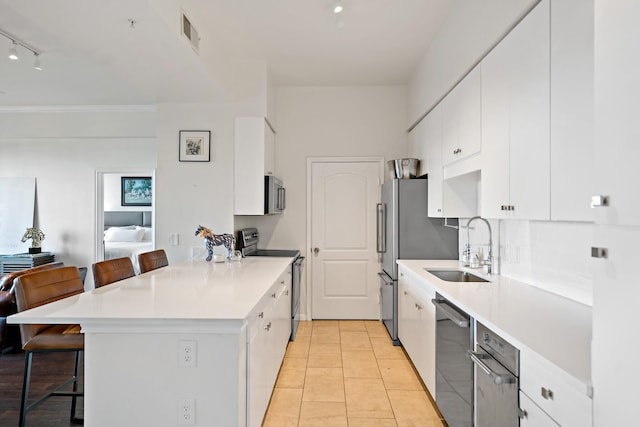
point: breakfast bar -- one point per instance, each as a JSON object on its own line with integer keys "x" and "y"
{"x": 183, "y": 344}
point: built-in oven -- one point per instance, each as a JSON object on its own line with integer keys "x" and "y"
{"x": 248, "y": 239}
{"x": 454, "y": 371}
{"x": 496, "y": 380}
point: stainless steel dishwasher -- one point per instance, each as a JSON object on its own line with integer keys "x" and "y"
{"x": 454, "y": 370}
{"x": 496, "y": 385}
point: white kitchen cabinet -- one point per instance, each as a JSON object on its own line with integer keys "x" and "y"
{"x": 515, "y": 122}
{"x": 461, "y": 119}
{"x": 560, "y": 396}
{"x": 416, "y": 326}
{"x": 532, "y": 415}
{"x": 269, "y": 331}
{"x": 254, "y": 157}
{"x": 572, "y": 124}
{"x": 617, "y": 109}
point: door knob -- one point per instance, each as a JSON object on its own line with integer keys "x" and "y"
{"x": 315, "y": 251}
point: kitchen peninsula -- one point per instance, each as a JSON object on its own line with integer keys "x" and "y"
{"x": 233, "y": 318}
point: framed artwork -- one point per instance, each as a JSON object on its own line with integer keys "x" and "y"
{"x": 136, "y": 190}
{"x": 195, "y": 146}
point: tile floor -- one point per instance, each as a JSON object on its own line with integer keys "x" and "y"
{"x": 346, "y": 373}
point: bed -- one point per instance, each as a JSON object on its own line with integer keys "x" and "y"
{"x": 127, "y": 234}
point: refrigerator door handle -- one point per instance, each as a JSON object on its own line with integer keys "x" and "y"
{"x": 381, "y": 241}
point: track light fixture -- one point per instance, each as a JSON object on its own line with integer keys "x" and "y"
{"x": 337, "y": 7}
{"x": 13, "y": 50}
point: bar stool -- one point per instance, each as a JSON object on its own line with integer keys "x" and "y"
{"x": 112, "y": 270}
{"x": 34, "y": 290}
{"x": 152, "y": 260}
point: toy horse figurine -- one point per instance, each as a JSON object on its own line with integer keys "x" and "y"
{"x": 211, "y": 240}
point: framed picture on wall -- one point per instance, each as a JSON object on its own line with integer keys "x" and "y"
{"x": 195, "y": 145}
{"x": 136, "y": 190}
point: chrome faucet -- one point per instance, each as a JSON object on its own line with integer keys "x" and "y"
{"x": 489, "y": 260}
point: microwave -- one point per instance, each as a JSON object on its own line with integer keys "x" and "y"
{"x": 274, "y": 195}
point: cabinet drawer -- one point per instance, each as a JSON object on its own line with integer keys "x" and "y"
{"x": 532, "y": 415}
{"x": 554, "y": 391}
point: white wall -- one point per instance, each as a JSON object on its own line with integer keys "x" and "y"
{"x": 64, "y": 149}
{"x": 326, "y": 122}
{"x": 470, "y": 31}
{"x": 189, "y": 194}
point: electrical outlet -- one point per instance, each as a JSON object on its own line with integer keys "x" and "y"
{"x": 187, "y": 412}
{"x": 187, "y": 354}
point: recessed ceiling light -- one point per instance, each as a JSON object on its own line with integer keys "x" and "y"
{"x": 337, "y": 7}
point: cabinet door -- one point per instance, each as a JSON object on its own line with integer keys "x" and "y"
{"x": 269, "y": 150}
{"x": 433, "y": 141}
{"x": 617, "y": 109}
{"x": 257, "y": 396}
{"x": 427, "y": 326}
{"x": 572, "y": 124}
{"x": 529, "y": 170}
{"x": 461, "y": 119}
{"x": 515, "y": 122}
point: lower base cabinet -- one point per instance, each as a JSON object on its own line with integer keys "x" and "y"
{"x": 532, "y": 415}
{"x": 269, "y": 331}
{"x": 417, "y": 326}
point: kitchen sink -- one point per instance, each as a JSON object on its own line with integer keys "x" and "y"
{"x": 456, "y": 276}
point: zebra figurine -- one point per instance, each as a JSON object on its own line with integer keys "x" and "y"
{"x": 211, "y": 240}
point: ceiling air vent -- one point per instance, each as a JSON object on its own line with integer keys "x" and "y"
{"x": 190, "y": 32}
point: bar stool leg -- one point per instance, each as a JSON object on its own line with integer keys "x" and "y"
{"x": 25, "y": 388}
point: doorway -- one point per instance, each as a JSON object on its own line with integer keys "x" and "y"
{"x": 341, "y": 224}
{"x": 138, "y": 217}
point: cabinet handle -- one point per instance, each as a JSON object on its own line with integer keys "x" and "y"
{"x": 546, "y": 393}
{"x": 522, "y": 413}
{"x": 503, "y": 208}
{"x": 599, "y": 252}
{"x": 418, "y": 306}
{"x": 404, "y": 292}
{"x": 273, "y": 295}
{"x": 268, "y": 327}
{"x": 261, "y": 315}
{"x": 599, "y": 201}
{"x": 286, "y": 292}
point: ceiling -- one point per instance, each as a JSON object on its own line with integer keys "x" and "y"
{"x": 92, "y": 55}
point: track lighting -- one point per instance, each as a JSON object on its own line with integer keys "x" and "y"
{"x": 13, "y": 50}
{"x": 337, "y": 7}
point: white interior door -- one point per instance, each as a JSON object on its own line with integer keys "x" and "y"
{"x": 344, "y": 263}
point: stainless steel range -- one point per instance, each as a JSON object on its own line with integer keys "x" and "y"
{"x": 248, "y": 243}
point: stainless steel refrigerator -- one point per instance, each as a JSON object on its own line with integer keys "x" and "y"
{"x": 404, "y": 231}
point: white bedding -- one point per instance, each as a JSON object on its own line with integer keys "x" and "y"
{"x": 130, "y": 247}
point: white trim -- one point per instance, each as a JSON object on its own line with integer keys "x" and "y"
{"x": 309, "y": 250}
{"x": 78, "y": 109}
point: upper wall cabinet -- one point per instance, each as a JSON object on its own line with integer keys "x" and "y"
{"x": 515, "y": 122}
{"x": 254, "y": 157}
{"x": 461, "y": 119}
{"x": 572, "y": 110}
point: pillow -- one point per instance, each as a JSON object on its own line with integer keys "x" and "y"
{"x": 148, "y": 233}
{"x": 115, "y": 234}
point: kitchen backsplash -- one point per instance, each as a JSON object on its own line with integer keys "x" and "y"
{"x": 554, "y": 256}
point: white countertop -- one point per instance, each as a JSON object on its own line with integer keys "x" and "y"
{"x": 554, "y": 327}
{"x": 188, "y": 290}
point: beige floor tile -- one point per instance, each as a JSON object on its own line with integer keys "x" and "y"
{"x": 352, "y": 325}
{"x": 323, "y": 414}
{"x": 323, "y": 385}
{"x": 384, "y": 349}
{"x": 291, "y": 375}
{"x": 325, "y": 348}
{"x": 326, "y": 335}
{"x": 399, "y": 375}
{"x": 325, "y": 323}
{"x": 284, "y": 408}
{"x": 299, "y": 347}
{"x": 355, "y": 341}
{"x": 360, "y": 364}
{"x": 304, "y": 328}
{"x": 372, "y": 422}
{"x": 325, "y": 360}
{"x": 376, "y": 329}
{"x": 413, "y": 409}
{"x": 367, "y": 398}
